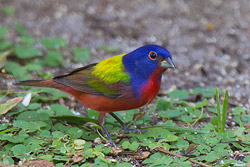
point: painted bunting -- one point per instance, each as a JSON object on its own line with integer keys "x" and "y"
{"x": 118, "y": 83}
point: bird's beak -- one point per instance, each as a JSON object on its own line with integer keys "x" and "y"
{"x": 167, "y": 63}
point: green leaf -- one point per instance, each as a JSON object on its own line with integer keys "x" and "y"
{"x": 160, "y": 133}
{"x": 27, "y": 126}
{"x": 14, "y": 139}
{"x": 109, "y": 49}
{"x": 205, "y": 92}
{"x": 48, "y": 157}
{"x": 180, "y": 94}
{"x": 186, "y": 118}
{"x": 56, "y": 94}
{"x": 54, "y": 59}
{"x": 34, "y": 67}
{"x": 8, "y": 161}
{"x": 247, "y": 158}
{"x": 25, "y": 52}
{"x": 21, "y": 30}
{"x": 153, "y": 145}
{"x": 219, "y": 125}
{"x": 224, "y": 110}
{"x": 163, "y": 105}
{"x": 60, "y": 110}
{"x": 4, "y": 126}
{"x": 239, "y": 111}
{"x": 47, "y": 75}
{"x": 19, "y": 149}
{"x": 17, "y": 71}
{"x": 125, "y": 144}
{"x": 124, "y": 164}
{"x": 201, "y": 104}
{"x": 34, "y": 106}
{"x": 158, "y": 159}
{"x": 81, "y": 54}
{"x": 211, "y": 157}
{"x": 75, "y": 132}
{"x": 4, "y": 45}
{"x": 53, "y": 43}
{"x": 3, "y": 31}
{"x": 90, "y": 135}
{"x": 93, "y": 114}
{"x": 214, "y": 121}
{"x": 8, "y": 130}
{"x": 76, "y": 119}
{"x": 169, "y": 114}
{"x": 28, "y": 40}
{"x": 134, "y": 146}
{"x": 33, "y": 116}
{"x": 9, "y": 10}
{"x": 106, "y": 151}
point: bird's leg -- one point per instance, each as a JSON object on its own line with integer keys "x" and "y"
{"x": 126, "y": 129}
{"x": 101, "y": 119}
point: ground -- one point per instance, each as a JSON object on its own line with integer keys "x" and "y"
{"x": 209, "y": 40}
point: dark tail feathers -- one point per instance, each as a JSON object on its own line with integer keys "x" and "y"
{"x": 38, "y": 83}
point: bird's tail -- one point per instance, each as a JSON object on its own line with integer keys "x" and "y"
{"x": 39, "y": 83}
{"x": 51, "y": 84}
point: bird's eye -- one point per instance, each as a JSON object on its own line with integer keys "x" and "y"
{"x": 152, "y": 55}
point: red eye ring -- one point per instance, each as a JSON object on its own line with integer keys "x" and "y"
{"x": 152, "y": 55}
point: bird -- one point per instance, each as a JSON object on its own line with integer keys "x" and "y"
{"x": 121, "y": 82}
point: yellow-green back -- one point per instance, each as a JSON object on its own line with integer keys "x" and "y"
{"x": 111, "y": 70}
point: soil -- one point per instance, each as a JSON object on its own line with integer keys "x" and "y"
{"x": 209, "y": 40}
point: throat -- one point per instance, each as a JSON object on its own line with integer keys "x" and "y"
{"x": 152, "y": 86}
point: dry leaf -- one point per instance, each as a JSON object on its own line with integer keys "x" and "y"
{"x": 143, "y": 155}
{"x": 116, "y": 150}
{"x": 4, "y": 108}
{"x": 78, "y": 156}
{"x": 39, "y": 163}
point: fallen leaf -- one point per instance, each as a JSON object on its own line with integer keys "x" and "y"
{"x": 191, "y": 148}
{"x": 210, "y": 26}
{"x": 39, "y": 163}
{"x": 4, "y": 108}
{"x": 78, "y": 156}
{"x": 79, "y": 144}
{"x": 143, "y": 155}
{"x": 116, "y": 150}
{"x": 247, "y": 125}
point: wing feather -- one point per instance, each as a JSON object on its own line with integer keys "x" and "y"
{"x": 84, "y": 80}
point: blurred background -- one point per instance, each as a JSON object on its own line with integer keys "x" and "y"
{"x": 209, "y": 40}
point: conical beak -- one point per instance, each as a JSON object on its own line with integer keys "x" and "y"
{"x": 167, "y": 63}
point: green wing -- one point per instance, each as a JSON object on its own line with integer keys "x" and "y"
{"x": 107, "y": 78}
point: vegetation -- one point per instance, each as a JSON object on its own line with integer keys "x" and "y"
{"x": 180, "y": 131}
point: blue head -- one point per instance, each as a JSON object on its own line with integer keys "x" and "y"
{"x": 144, "y": 61}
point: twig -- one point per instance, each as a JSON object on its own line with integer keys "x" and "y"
{"x": 180, "y": 156}
{"x": 244, "y": 153}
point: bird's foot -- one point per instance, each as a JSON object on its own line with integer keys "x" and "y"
{"x": 128, "y": 130}
{"x": 113, "y": 144}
